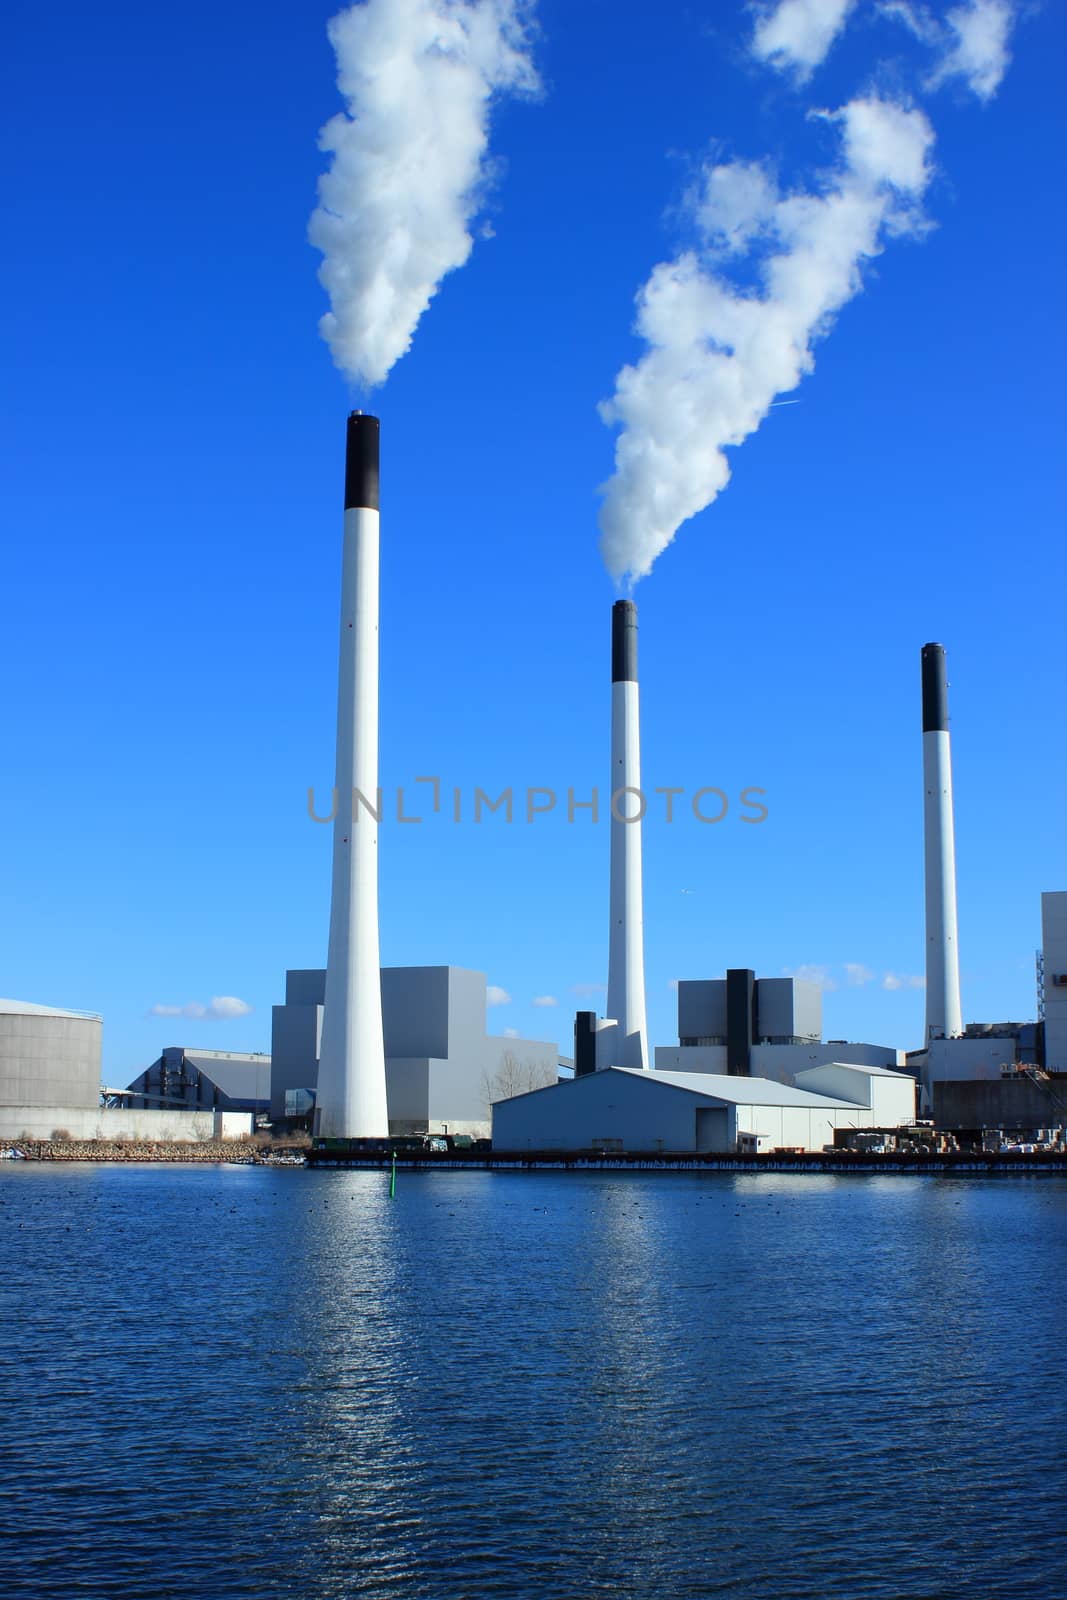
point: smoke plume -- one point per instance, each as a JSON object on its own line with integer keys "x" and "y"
{"x": 718, "y": 353}
{"x": 409, "y": 162}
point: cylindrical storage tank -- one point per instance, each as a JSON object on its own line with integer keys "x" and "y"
{"x": 49, "y": 1057}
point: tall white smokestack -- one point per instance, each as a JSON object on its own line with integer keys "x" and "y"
{"x": 350, "y": 1102}
{"x": 626, "y": 945}
{"x": 944, "y": 1018}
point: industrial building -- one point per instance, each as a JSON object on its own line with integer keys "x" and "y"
{"x": 1007, "y": 1075}
{"x": 49, "y": 1058}
{"x": 50, "y": 1085}
{"x": 989, "y": 1052}
{"x": 626, "y": 1109}
{"x": 758, "y": 1027}
{"x": 442, "y": 1067}
{"x": 203, "y": 1080}
{"x": 1052, "y": 967}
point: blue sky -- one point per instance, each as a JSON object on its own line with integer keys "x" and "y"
{"x": 173, "y": 435}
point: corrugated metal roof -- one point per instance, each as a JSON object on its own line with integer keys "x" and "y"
{"x": 238, "y": 1076}
{"x": 857, "y": 1066}
{"x": 738, "y": 1090}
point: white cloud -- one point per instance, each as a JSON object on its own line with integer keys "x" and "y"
{"x": 228, "y": 1005}
{"x": 796, "y": 35}
{"x": 811, "y": 973}
{"x": 857, "y": 974}
{"x": 903, "y": 980}
{"x": 496, "y": 996}
{"x": 672, "y": 983}
{"x": 915, "y": 18}
{"x": 978, "y": 50}
{"x": 510, "y": 1033}
{"x": 971, "y": 41}
{"x": 409, "y": 163}
{"x": 718, "y": 354}
{"x": 220, "y": 1008}
{"x": 545, "y": 1000}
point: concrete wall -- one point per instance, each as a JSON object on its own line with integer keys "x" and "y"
{"x": 702, "y": 1009}
{"x": 788, "y": 1008}
{"x": 75, "y": 1122}
{"x": 415, "y": 1011}
{"x": 690, "y": 1058}
{"x": 49, "y": 1060}
{"x": 1016, "y": 1102}
{"x": 305, "y": 986}
{"x": 968, "y": 1059}
{"x": 295, "y": 1041}
{"x": 407, "y": 1088}
{"x": 1054, "y": 949}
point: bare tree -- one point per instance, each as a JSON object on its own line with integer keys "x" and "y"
{"x": 514, "y": 1077}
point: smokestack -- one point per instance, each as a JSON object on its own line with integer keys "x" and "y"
{"x": 350, "y": 1102}
{"x": 944, "y": 1018}
{"x": 626, "y": 954}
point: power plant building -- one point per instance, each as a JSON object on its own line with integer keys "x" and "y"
{"x": 622, "y": 1109}
{"x": 50, "y": 1085}
{"x": 442, "y": 1067}
{"x": 759, "y": 1027}
{"x": 203, "y": 1080}
{"x": 1054, "y": 979}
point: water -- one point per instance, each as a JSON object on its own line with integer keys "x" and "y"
{"x": 243, "y": 1382}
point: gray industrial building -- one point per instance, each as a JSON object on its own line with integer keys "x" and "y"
{"x": 621, "y": 1109}
{"x": 1007, "y": 1075}
{"x": 1053, "y": 971}
{"x": 202, "y": 1080}
{"x": 49, "y": 1058}
{"x": 442, "y": 1067}
{"x": 50, "y": 1085}
{"x": 759, "y": 1027}
{"x": 751, "y": 1072}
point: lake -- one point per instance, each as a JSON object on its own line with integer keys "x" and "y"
{"x": 238, "y": 1381}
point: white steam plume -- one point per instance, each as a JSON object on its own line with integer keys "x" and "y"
{"x": 719, "y": 355}
{"x": 797, "y": 34}
{"x": 409, "y": 164}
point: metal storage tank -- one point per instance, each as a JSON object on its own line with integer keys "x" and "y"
{"x": 49, "y": 1057}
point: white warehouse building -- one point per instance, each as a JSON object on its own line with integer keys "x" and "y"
{"x": 625, "y": 1109}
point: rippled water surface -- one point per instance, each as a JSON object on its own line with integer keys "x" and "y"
{"x": 224, "y": 1381}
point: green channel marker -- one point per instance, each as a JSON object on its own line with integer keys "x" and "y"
{"x": 392, "y": 1179}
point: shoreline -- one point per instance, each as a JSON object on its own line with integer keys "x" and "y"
{"x": 239, "y": 1153}
{"x": 228, "y": 1152}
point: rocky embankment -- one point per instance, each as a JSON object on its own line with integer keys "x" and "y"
{"x": 234, "y": 1151}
